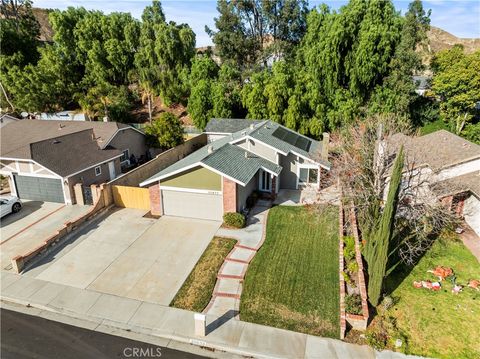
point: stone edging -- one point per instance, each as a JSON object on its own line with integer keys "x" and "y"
{"x": 359, "y": 321}
{"x": 343, "y": 318}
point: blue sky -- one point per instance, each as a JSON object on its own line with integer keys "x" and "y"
{"x": 461, "y": 18}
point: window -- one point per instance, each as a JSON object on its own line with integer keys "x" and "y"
{"x": 125, "y": 156}
{"x": 308, "y": 175}
{"x": 98, "y": 171}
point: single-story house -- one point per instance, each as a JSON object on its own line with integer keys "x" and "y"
{"x": 220, "y": 176}
{"x": 445, "y": 167}
{"x": 45, "y": 159}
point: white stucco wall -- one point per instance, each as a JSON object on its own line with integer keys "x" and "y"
{"x": 458, "y": 170}
{"x": 471, "y": 211}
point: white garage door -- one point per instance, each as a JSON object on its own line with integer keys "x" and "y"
{"x": 193, "y": 205}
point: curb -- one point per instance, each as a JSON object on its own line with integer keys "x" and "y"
{"x": 121, "y": 327}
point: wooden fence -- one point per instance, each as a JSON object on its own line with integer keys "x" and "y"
{"x": 131, "y": 197}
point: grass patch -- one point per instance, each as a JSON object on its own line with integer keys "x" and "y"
{"x": 293, "y": 282}
{"x": 196, "y": 291}
{"x": 440, "y": 324}
{"x": 430, "y": 127}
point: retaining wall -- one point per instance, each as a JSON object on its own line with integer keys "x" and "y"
{"x": 101, "y": 204}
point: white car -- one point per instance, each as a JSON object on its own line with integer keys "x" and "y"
{"x": 10, "y": 204}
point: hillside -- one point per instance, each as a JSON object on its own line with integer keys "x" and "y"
{"x": 46, "y": 31}
{"x": 441, "y": 40}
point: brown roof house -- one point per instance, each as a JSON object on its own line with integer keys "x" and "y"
{"x": 447, "y": 168}
{"x": 45, "y": 159}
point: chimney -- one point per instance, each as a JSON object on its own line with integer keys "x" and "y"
{"x": 210, "y": 149}
{"x": 325, "y": 142}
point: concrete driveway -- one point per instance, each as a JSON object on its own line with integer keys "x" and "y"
{"x": 25, "y": 230}
{"x": 131, "y": 256}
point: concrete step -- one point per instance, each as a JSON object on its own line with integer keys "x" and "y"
{"x": 241, "y": 255}
{"x": 227, "y": 295}
{"x": 245, "y": 247}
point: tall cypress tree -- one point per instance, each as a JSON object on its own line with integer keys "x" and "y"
{"x": 380, "y": 241}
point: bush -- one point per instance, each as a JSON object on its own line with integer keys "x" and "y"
{"x": 352, "y": 267}
{"x": 349, "y": 248}
{"x": 353, "y": 304}
{"x": 234, "y": 219}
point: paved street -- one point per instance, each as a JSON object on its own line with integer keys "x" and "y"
{"x": 25, "y": 336}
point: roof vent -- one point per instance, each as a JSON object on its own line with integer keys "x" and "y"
{"x": 210, "y": 149}
{"x": 60, "y": 126}
{"x": 246, "y": 154}
{"x": 55, "y": 141}
{"x": 252, "y": 126}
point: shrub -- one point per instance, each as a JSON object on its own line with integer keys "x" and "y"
{"x": 349, "y": 248}
{"x": 348, "y": 279}
{"x": 353, "y": 304}
{"x": 352, "y": 267}
{"x": 234, "y": 219}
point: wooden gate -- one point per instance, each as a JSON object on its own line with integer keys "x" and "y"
{"x": 131, "y": 197}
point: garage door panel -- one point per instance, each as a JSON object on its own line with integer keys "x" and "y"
{"x": 193, "y": 205}
{"x": 39, "y": 188}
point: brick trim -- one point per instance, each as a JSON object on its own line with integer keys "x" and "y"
{"x": 341, "y": 268}
{"x": 229, "y": 190}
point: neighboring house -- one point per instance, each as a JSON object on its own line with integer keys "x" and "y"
{"x": 63, "y": 116}
{"x": 6, "y": 119}
{"x": 220, "y": 127}
{"x": 446, "y": 167}
{"x": 220, "y": 176}
{"x": 45, "y": 159}
{"x": 422, "y": 84}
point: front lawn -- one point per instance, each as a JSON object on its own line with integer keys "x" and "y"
{"x": 293, "y": 282}
{"x": 439, "y": 324}
{"x": 197, "y": 290}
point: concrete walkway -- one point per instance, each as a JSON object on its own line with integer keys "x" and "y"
{"x": 124, "y": 316}
{"x": 228, "y": 288}
{"x": 471, "y": 240}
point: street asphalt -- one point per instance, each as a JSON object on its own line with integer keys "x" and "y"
{"x": 25, "y": 336}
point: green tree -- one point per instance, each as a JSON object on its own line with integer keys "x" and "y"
{"x": 456, "y": 82}
{"x": 397, "y": 94}
{"x": 250, "y": 31}
{"x": 226, "y": 93}
{"x": 19, "y": 30}
{"x": 378, "y": 245}
{"x": 165, "y": 132}
{"x": 253, "y": 95}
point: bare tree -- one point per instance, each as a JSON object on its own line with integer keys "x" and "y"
{"x": 362, "y": 157}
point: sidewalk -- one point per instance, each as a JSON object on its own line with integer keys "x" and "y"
{"x": 133, "y": 316}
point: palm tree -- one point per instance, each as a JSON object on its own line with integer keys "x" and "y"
{"x": 147, "y": 95}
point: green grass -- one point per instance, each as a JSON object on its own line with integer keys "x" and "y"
{"x": 292, "y": 282}
{"x": 430, "y": 127}
{"x": 197, "y": 289}
{"x": 440, "y": 324}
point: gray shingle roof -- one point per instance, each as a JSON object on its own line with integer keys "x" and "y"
{"x": 71, "y": 153}
{"x": 17, "y": 136}
{"x": 228, "y": 125}
{"x": 467, "y": 182}
{"x": 238, "y": 163}
{"x": 438, "y": 149}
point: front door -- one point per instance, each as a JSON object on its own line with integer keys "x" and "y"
{"x": 265, "y": 181}
{"x": 111, "y": 169}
